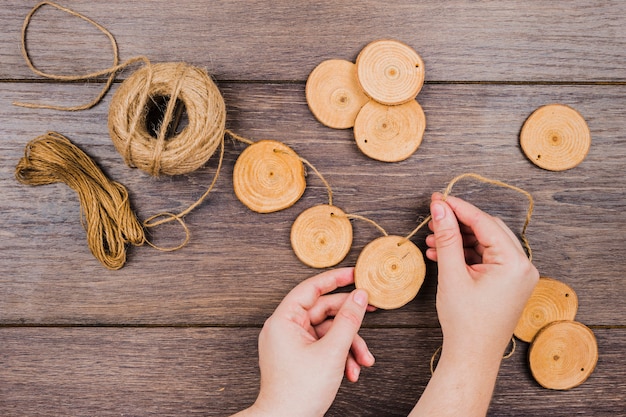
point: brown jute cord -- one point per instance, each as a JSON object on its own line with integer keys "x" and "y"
{"x": 106, "y": 214}
{"x": 110, "y": 72}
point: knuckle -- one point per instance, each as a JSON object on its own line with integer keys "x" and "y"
{"x": 350, "y": 316}
{"x": 446, "y": 237}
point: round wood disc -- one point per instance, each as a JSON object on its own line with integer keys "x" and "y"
{"x": 563, "y": 355}
{"x": 333, "y": 93}
{"x": 551, "y": 300}
{"x": 268, "y": 176}
{"x": 321, "y": 236}
{"x": 555, "y": 137}
{"x": 389, "y": 133}
{"x": 390, "y": 72}
{"x": 391, "y": 269}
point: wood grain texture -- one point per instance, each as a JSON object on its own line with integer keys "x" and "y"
{"x": 285, "y": 40}
{"x": 175, "y": 333}
{"x": 213, "y": 372}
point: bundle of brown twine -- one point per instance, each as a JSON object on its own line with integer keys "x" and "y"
{"x": 106, "y": 214}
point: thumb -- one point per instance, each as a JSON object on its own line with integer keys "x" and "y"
{"x": 347, "y": 322}
{"x": 448, "y": 239}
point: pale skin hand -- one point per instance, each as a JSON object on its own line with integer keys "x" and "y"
{"x": 485, "y": 279}
{"x": 308, "y": 344}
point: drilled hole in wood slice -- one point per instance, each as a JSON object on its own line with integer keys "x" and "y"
{"x": 551, "y": 300}
{"x": 321, "y": 236}
{"x": 391, "y": 269}
{"x": 389, "y": 133}
{"x": 555, "y": 137}
{"x": 333, "y": 93}
{"x": 268, "y": 176}
{"x": 390, "y": 72}
{"x": 563, "y": 355}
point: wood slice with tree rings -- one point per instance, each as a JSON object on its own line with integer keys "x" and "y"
{"x": 333, "y": 93}
{"x": 555, "y": 137}
{"x": 551, "y": 300}
{"x": 563, "y": 355}
{"x": 321, "y": 236}
{"x": 268, "y": 176}
{"x": 390, "y": 72}
{"x": 389, "y": 133}
{"x": 391, "y": 269}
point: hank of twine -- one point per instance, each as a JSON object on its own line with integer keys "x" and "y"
{"x": 106, "y": 214}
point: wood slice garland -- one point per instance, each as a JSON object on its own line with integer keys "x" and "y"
{"x": 268, "y": 176}
{"x": 391, "y": 269}
{"x": 390, "y": 72}
{"x": 333, "y": 93}
{"x": 321, "y": 236}
{"x": 390, "y": 133}
{"x": 563, "y": 355}
{"x": 555, "y": 137}
{"x": 551, "y": 300}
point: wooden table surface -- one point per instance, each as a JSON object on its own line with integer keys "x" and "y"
{"x": 175, "y": 333}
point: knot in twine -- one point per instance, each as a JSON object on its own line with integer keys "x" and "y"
{"x": 106, "y": 214}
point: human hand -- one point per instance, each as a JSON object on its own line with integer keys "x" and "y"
{"x": 308, "y": 343}
{"x": 485, "y": 278}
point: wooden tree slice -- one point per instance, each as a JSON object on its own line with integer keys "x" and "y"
{"x": 333, "y": 93}
{"x": 391, "y": 269}
{"x": 563, "y": 355}
{"x": 321, "y": 236}
{"x": 390, "y": 72}
{"x": 268, "y": 176}
{"x": 390, "y": 133}
{"x": 555, "y": 137}
{"x": 550, "y": 301}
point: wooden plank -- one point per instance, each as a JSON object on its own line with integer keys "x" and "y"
{"x": 285, "y": 40}
{"x": 239, "y": 264}
{"x": 213, "y": 371}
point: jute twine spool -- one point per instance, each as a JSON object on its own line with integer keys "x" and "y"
{"x": 107, "y": 216}
{"x": 551, "y": 300}
{"x": 555, "y": 137}
{"x": 178, "y": 154}
{"x": 563, "y": 355}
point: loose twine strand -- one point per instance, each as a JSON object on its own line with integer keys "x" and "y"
{"x": 447, "y": 192}
{"x": 111, "y": 71}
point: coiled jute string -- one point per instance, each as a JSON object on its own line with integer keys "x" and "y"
{"x": 106, "y": 214}
{"x": 174, "y": 88}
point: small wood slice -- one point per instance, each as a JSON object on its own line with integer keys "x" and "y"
{"x": 389, "y": 133}
{"x": 563, "y": 355}
{"x": 321, "y": 236}
{"x": 390, "y": 72}
{"x": 551, "y": 300}
{"x": 555, "y": 137}
{"x": 268, "y": 176}
{"x": 391, "y": 269}
{"x": 333, "y": 93}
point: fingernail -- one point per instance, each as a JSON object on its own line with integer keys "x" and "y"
{"x": 360, "y": 297}
{"x": 438, "y": 211}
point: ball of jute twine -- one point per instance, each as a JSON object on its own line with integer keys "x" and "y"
{"x": 181, "y": 153}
